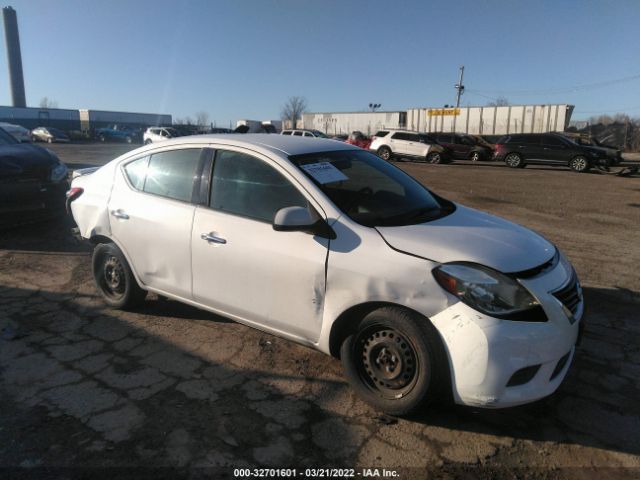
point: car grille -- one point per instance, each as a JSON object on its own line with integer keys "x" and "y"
{"x": 570, "y": 295}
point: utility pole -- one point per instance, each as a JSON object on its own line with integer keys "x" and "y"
{"x": 460, "y": 87}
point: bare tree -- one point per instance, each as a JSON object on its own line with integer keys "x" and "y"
{"x": 499, "y": 102}
{"x": 46, "y": 102}
{"x": 202, "y": 119}
{"x": 293, "y": 110}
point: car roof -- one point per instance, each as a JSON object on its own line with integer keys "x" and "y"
{"x": 282, "y": 144}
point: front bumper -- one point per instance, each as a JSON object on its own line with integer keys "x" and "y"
{"x": 500, "y": 363}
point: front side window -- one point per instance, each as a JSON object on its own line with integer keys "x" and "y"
{"x": 370, "y": 190}
{"x": 297, "y": 134}
{"x": 246, "y": 186}
{"x": 172, "y": 174}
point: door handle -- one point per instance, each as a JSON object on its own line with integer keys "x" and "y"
{"x": 209, "y": 237}
{"x": 120, "y": 214}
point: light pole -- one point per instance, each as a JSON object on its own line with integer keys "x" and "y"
{"x": 374, "y": 106}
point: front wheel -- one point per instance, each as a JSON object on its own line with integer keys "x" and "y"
{"x": 474, "y": 157}
{"x": 579, "y": 164}
{"x": 114, "y": 278}
{"x": 394, "y": 361}
{"x": 128, "y": 139}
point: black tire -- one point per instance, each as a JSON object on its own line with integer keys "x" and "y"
{"x": 102, "y": 138}
{"x": 475, "y": 156}
{"x": 147, "y": 141}
{"x": 435, "y": 157}
{"x": 514, "y": 160}
{"x": 579, "y": 164}
{"x": 385, "y": 153}
{"x": 393, "y": 338}
{"x": 114, "y": 278}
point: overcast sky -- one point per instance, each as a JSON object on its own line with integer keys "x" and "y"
{"x": 244, "y": 58}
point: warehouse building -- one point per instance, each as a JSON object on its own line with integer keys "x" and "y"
{"x": 472, "y": 120}
{"x": 78, "y": 120}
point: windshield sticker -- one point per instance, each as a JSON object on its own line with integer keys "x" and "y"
{"x": 324, "y": 172}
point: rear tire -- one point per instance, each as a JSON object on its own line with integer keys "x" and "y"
{"x": 385, "y": 153}
{"x": 395, "y": 361}
{"x": 434, "y": 157}
{"x": 579, "y": 164}
{"x": 114, "y": 278}
{"x": 514, "y": 160}
{"x": 147, "y": 141}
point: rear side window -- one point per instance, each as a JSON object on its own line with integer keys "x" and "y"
{"x": 246, "y": 186}
{"x": 297, "y": 134}
{"x": 400, "y": 136}
{"x": 136, "y": 172}
{"x": 172, "y": 174}
{"x": 381, "y": 133}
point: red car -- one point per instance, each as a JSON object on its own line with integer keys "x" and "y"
{"x": 359, "y": 140}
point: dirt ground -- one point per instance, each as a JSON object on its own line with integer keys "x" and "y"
{"x": 172, "y": 391}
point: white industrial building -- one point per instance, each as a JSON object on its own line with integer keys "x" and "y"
{"x": 473, "y": 120}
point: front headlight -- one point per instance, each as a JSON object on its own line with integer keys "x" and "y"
{"x": 59, "y": 172}
{"x": 489, "y": 292}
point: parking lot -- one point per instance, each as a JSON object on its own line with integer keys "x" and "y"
{"x": 168, "y": 385}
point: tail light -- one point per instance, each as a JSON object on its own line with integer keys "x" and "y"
{"x": 73, "y": 194}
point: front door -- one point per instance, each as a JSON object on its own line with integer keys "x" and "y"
{"x": 241, "y": 265}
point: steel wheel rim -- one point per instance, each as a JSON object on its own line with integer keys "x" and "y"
{"x": 475, "y": 156}
{"x": 384, "y": 154}
{"x": 434, "y": 158}
{"x": 113, "y": 277}
{"x": 387, "y": 362}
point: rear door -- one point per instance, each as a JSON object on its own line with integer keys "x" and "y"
{"x": 555, "y": 150}
{"x": 242, "y": 266}
{"x": 151, "y": 215}
{"x": 529, "y": 146}
{"x": 399, "y": 143}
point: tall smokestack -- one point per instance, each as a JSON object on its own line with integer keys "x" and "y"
{"x": 12, "y": 39}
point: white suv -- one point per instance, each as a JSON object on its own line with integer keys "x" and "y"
{"x": 405, "y": 143}
{"x": 328, "y": 245}
{"x": 301, "y": 132}
{"x": 159, "y": 134}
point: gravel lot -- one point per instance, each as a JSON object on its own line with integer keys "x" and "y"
{"x": 172, "y": 386}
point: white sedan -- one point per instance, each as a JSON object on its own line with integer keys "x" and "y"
{"x": 330, "y": 246}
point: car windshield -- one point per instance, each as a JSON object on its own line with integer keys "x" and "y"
{"x": 6, "y": 139}
{"x": 370, "y": 190}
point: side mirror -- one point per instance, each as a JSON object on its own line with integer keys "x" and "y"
{"x": 300, "y": 219}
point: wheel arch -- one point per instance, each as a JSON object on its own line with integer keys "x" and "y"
{"x": 346, "y": 322}
{"x": 98, "y": 239}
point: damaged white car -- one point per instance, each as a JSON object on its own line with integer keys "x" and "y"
{"x": 330, "y": 246}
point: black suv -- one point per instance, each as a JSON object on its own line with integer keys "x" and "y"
{"x": 519, "y": 150}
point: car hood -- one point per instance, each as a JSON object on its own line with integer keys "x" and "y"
{"x": 23, "y": 158}
{"x": 468, "y": 235}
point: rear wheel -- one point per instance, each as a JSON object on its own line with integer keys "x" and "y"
{"x": 384, "y": 153}
{"x": 114, "y": 278}
{"x": 102, "y": 138}
{"x": 394, "y": 360}
{"x": 475, "y": 156}
{"x": 579, "y": 164}
{"x": 434, "y": 157}
{"x": 147, "y": 141}
{"x": 514, "y": 160}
